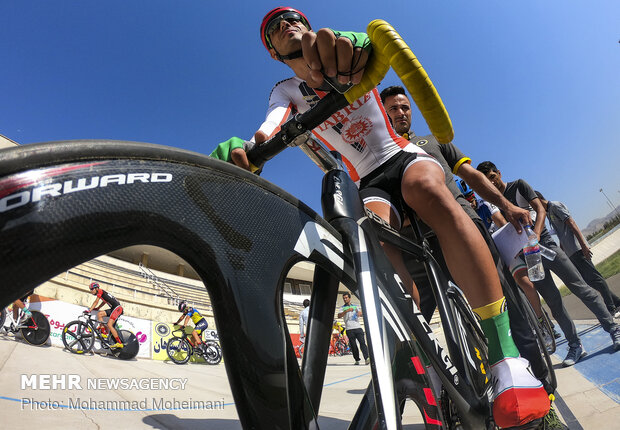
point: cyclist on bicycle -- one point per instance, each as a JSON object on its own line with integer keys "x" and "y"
{"x": 200, "y": 323}
{"x": 338, "y": 332}
{"x": 391, "y": 171}
{"x": 115, "y": 311}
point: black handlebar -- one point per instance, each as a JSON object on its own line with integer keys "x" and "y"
{"x": 296, "y": 126}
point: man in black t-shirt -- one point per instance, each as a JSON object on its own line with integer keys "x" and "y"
{"x": 520, "y": 193}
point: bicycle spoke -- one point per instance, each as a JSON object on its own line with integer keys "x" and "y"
{"x": 84, "y": 346}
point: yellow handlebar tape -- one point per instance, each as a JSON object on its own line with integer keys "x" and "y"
{"x": 389, "y": 49}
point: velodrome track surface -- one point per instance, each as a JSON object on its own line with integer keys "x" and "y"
{"x": 588, "y": 393}
{"x": 345, "y": 384}
{"x": 199, "y": 395}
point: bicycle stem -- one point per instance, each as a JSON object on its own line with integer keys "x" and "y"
{"x": 295, "y": 127}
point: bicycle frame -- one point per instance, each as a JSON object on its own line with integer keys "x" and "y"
{"x": 14, "y": 322}
{"x": 187, "y": 337}
{"x": 181, "y": 201}
{"x": 184, "y": 335}
{"x": 92, "y": 321}
{"x": 385, "y": 304}
{"x": 230, "y": 246}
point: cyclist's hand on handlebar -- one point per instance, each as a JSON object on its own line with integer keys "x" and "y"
{"x": 233, "y": 150}
{"x": 337, "y": 55}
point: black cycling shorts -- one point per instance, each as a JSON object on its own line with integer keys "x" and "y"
{"x": 384, "y": 183}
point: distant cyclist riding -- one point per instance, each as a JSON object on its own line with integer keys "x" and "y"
{"x": 115, "y": 311}
{"x": 200, "y": 323}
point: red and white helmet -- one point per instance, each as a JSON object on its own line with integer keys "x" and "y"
{"x": 274, "y": 17}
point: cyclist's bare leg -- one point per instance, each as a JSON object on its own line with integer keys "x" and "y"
{"x": 465, "y": 251}
{"x": 196, "y": 338}
{"x": 111, "y": 328}
{"x": 519, "y": 397}
{"x": 530, "y": 291}
{"x": 394, "y": 254}
{"x": 17, "y": 305}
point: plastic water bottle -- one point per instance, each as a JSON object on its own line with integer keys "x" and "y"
{"x": 549, "y": 254}
{"x": 533, "y": 259}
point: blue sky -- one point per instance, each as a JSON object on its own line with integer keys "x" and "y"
{"x": 531, "y": 85}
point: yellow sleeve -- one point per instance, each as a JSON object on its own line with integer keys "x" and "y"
{"x": 460, "y": 163}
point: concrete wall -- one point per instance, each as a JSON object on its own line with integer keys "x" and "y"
{"x": 5, "y": 142}
{"x": 138, "y": 297}
{"x": 69, "y": 289}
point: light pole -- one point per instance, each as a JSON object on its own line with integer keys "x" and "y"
{"x": 611, "y": 205}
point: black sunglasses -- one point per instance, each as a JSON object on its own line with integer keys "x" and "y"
{"x": 291, "y": 17}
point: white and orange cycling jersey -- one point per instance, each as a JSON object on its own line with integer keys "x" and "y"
{"x": 360, "y": 132}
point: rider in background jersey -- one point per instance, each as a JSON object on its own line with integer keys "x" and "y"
{"x": 200, "y": 323}
{"x": 115, "y": 311}
{"x": 392, "y": 172}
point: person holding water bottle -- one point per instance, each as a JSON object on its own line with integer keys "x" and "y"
{"x": 520, "y": 193}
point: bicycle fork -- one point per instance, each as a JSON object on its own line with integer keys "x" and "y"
{"x": 342, "y": 207}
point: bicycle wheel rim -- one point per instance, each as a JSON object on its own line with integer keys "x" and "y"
{"x": 549, "y": 329}
{"x": 81, "y": 340}
{"x": 130, "y": 348}
{"x": 540, "y": 341}
{"x": 179, "y": 350}
{"x": 213, "y": 353}
{"x": 476, "y": 376}
{"x": 39, "y": 335}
